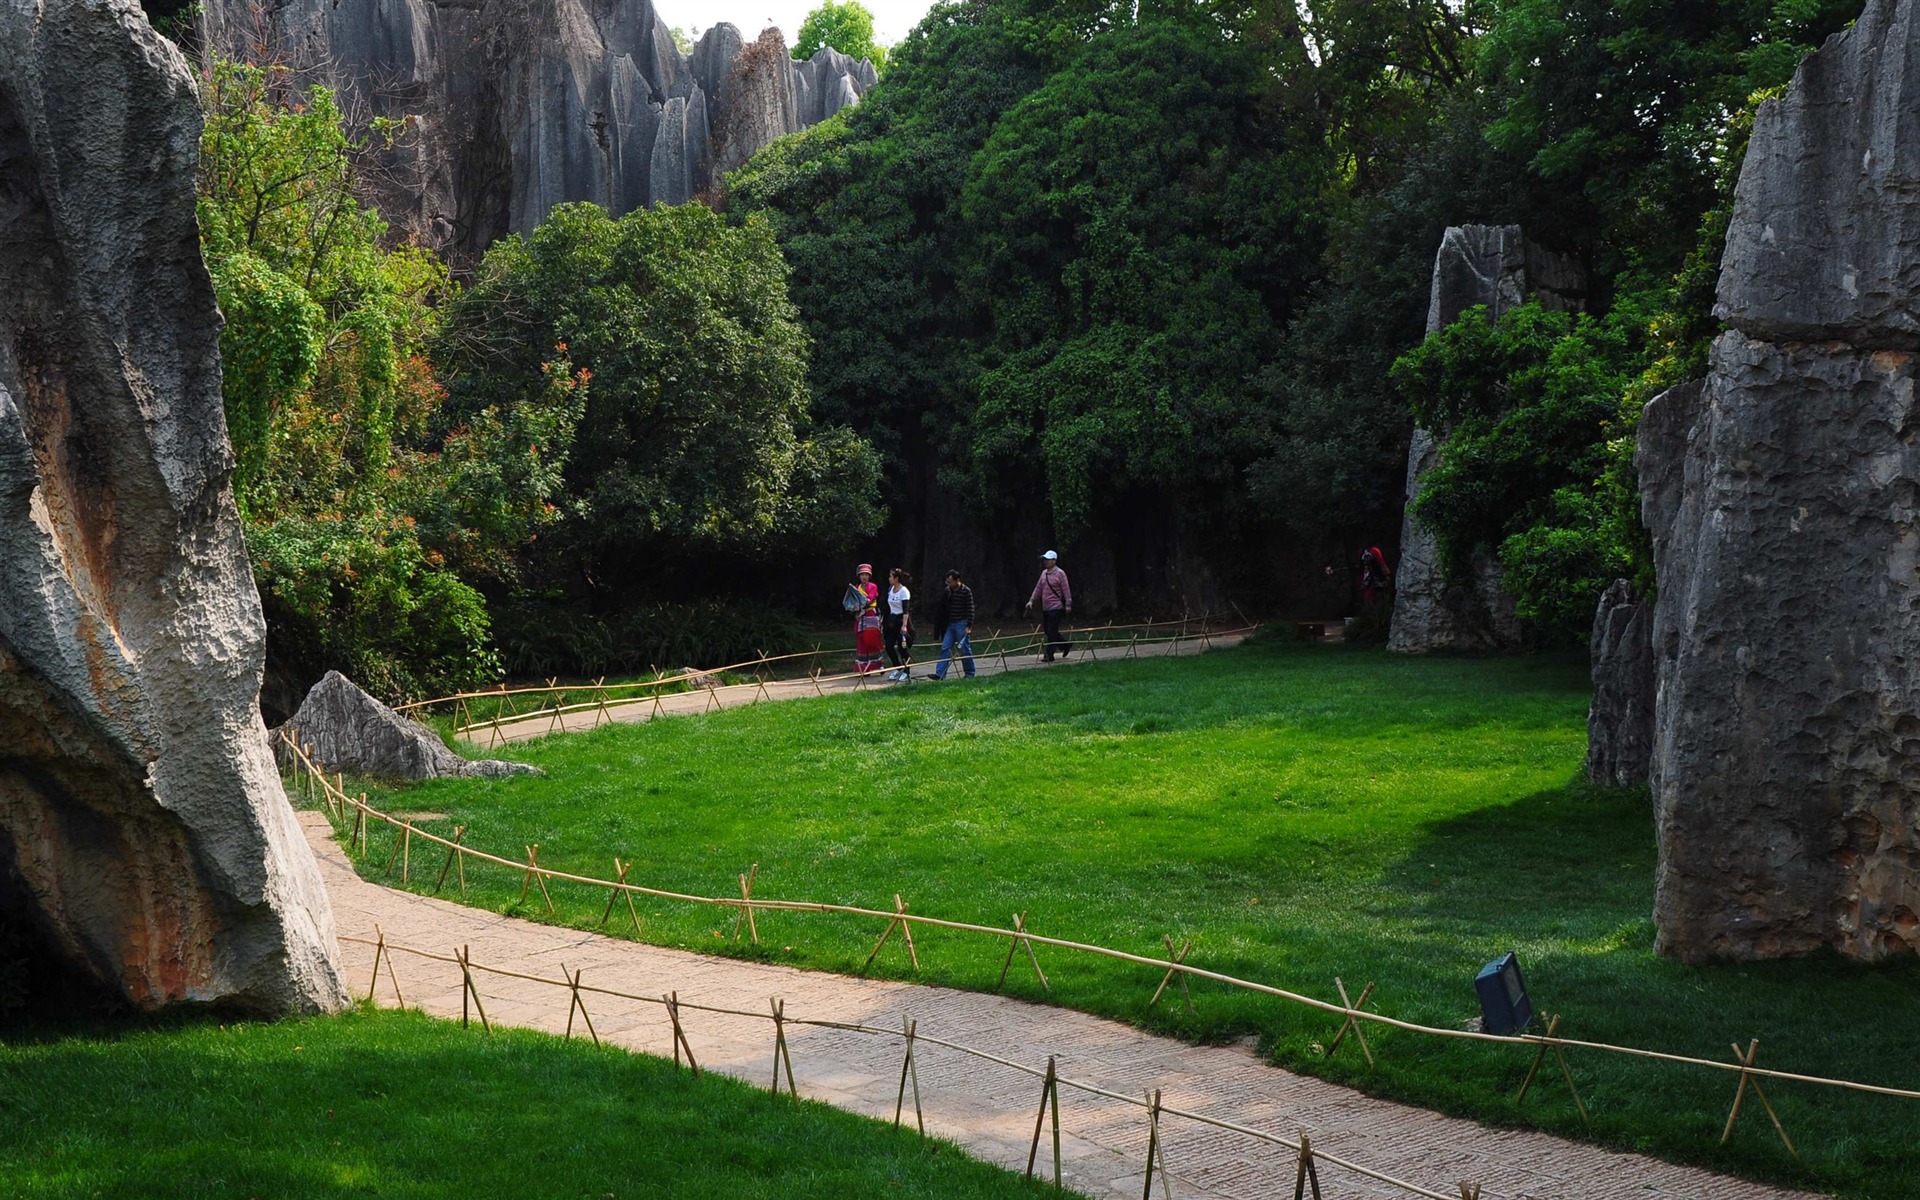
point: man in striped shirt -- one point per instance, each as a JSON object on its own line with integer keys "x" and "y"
{"x": 954, "y": 617}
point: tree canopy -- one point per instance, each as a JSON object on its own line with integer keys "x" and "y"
{"x": 847, "y": 26}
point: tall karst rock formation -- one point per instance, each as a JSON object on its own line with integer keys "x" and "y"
{"x": 144, "y": 838}
{"x": 1784, "y": 501}
{"x": 515, "y": 106}
{"x": 1495, "y": 267}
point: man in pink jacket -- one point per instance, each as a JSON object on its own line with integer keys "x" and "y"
{"x": 1054, "y": 595}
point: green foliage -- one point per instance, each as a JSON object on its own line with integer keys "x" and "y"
{"x": 360, "y": 594}
{"x": 1140, "y": 227}
{"x": 1522, "y": 406}
{"x": 696, "y": 435}
{"x": 365, "y": 504}
{"x": 548, "y": 639}
{"x": 1301, "y": 812}
{"x": 847, "y": 26}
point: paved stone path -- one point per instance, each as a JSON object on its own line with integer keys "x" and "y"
{"x": 986, "y": 1107}
{"x": 737, "y": 695}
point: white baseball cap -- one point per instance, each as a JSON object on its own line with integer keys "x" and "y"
{"x": 1049, "y": 555}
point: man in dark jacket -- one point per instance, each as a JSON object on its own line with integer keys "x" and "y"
{"x": 954, "y": 615}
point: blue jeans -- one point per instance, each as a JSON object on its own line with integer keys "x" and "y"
{"x": 954, "y": 640}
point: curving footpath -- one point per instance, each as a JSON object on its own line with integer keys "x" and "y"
{"x": 986, "y": 1108}
{"x": 738, "y": 695}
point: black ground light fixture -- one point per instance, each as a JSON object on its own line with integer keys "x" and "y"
{"x": 1504, "y": 1005}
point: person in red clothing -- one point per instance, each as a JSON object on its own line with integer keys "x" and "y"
{"x": 1054, "y": 595}
{"x": 867, "y": 640}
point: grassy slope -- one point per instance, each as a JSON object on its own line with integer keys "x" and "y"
{"x": 398, "y": 1105}
{"x": 1299, "y": 812}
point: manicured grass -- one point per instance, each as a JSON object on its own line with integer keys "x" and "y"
{"x": 398, "y": 1105}
{"x": 1300, "y": 812}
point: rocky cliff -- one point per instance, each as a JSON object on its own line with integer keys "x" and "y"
{"x": 1494, "y": 266}
{"x": 144, "y": 838}
{"x": 1784, "y": 500}
{"x": 515, "y": 106}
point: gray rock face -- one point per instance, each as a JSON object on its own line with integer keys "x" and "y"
{"x": 1491, "y": 265}
{"x": 1784, "y": 502}
{"x": 516, "y": 106}
{"x": 144, "y": 836}
{"x": 1823, "y": 245}
{"x": 341, "y": 728}
{"x": 1620, "y": 722}
{"x": 1787, "y": 777}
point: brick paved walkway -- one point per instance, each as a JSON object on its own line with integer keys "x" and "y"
{"x": 738, "y": 695}
{"x": 985, "y": 1107}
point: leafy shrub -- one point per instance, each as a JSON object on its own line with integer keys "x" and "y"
{"x": 363, "y": 597}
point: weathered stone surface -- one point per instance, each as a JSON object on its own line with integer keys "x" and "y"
{"x": 1787, "y": 777}
{"x": 1491, "y": 265}
{"x": 516, "y": 106}
{"x": 144, "y": 837}
{"x": 341, "y": 728}
{"x": 1620, "y": 721}
{"x": 1825, "y": 239}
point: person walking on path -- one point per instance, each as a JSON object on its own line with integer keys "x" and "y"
{"x": 866, "y": 621}
{"x": 899, "y": 625}
{"x": 954, "y": 619}
{"x": 1054, "y": 595}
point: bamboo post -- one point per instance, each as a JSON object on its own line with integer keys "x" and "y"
{"x": 1156, "y": 1156}
{"x": 1746, "y": 1061}
{"x": 1017, "y": 941}
{"x": 780, "y": 1053}
{"x": 600, "y": 698}
{"x": 558, "y": 699}
{"x": 453, "y": 852}
{"x": 815, "y": 676}
{"x": 909, "y": 1072}
{"x": 535, "y": 874}
{"x": 1352, "y": 1024}
{"x": 746, "y": 906}
{"x": 1559, "y": 1052}
{"x": 1308, "y": 1174}
{"x": 469, "y": 991}
{"x": 618, "y": 890}
{"x": 1049, "y": 1093}
{"x": 406, "y": 851}
{"x": 1172, "y": 972}
{"x": 899, "y": 922}
{"x": 575, "y": 1002}
{"x": 680, "y": 1041}
{"x": 1469, "y": 1191}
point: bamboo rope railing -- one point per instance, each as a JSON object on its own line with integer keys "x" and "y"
{"x": 339, "y": 804}
{"x": 602, "y": 697}
{"x": 909, "y": 1032}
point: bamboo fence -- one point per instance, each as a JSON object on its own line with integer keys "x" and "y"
{"x": 1308, "y": 1157}
{"x": 554, "y": 700}
{"x": 1354, "y": 1016}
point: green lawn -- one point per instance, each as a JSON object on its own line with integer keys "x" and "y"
{"x": 398, "y": 1105}
{"x": 1300, "y": 812}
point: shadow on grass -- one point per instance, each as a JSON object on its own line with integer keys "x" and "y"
{"x": 395, "y": 1104}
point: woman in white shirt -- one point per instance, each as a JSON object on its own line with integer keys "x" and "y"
{"x": 898, "y": 625}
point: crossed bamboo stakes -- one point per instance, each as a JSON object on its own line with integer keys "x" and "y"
{"x": 1046, "y": 1122}
{"x": 1176, "y": 966}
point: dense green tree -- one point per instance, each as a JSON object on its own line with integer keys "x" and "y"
{"x": 696, "y": 436}
{"x": 1141, "y": 228}
{"x": 368, "y": 520}
{"x": 866, "y": 207}
{"x": 847, "y": 26}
